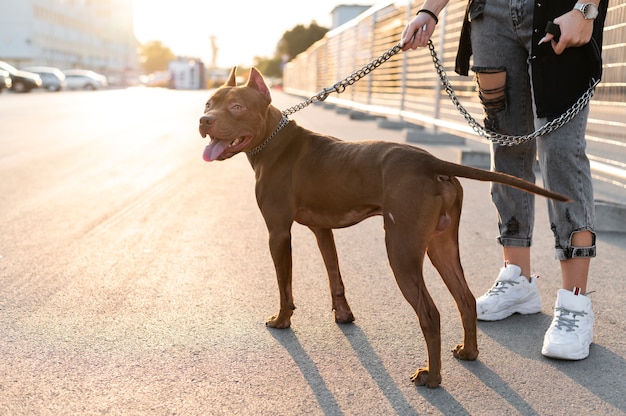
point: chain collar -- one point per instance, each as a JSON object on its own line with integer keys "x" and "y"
{"x": 283, "y": 122}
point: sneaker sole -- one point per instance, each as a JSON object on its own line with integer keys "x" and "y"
{"x": 566, "y": 355}
{"x": 528, "y": 310}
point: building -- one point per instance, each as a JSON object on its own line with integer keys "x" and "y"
{"x": 90, "y": 34}
{"x": 187, "y": 74}
{"x": 343, "y": 13}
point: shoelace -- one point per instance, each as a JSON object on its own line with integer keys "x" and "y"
{"x": 564, "y": 321}
{"x": 500, "y": 287}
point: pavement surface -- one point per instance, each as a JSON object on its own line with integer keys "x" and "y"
{"x": 135, "y": 279}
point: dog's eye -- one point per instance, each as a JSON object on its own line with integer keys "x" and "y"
{"x": 207, "y": 105}
{"x": 237, "y": 107}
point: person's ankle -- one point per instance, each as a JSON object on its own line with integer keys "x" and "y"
{"x": 524, "y": 272}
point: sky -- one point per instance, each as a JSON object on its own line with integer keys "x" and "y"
{"x": 243, "y": 29}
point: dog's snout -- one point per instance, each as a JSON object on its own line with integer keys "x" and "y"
{"x": 206, "y": 120}
{"x": 205, "y": 124}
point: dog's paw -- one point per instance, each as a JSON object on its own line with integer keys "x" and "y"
{"x": 344, "y": 317}
{"x": 463, "y": 353}
{"x": 281, "y": 320}
{"x": 422, "y": 377}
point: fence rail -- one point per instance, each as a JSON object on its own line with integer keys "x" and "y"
{"x": 407, "y": 86}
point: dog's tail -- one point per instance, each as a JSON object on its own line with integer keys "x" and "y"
{"x": 463, "y": 171}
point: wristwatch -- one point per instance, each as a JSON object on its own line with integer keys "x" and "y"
{"x": 589, "y": 10}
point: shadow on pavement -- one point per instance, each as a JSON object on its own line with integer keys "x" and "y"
{"x": 289, "y": 340}
{"x": 601, "y": 373}
{"x": 376, "y": 369}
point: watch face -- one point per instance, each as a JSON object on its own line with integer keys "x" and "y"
{"x": 590, "y": 11}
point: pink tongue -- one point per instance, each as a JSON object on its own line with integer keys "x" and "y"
{"x": 214, "y": 149}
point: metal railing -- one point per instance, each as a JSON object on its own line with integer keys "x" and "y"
{"x": 407, "y": 86}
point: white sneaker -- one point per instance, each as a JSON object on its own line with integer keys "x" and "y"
{"x": 571, "y": 331}
{"x": 511, "y": 293}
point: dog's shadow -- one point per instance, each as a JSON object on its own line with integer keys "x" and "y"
{"x": 289, "y": 340}
{"x": 371, "y": 362}
{"x": 376, "y": 369}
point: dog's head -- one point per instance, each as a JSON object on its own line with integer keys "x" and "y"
{"x": 235, "y": 117}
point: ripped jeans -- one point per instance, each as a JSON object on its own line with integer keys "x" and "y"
{"x": 501, "y": 43}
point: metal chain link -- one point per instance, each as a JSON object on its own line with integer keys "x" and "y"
{"x": 340, "y": 86}
{"x": 503, "y": 139}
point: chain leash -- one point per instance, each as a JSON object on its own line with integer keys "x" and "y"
{"x": 503, "y": 139}
{"x": 351, "y": 79}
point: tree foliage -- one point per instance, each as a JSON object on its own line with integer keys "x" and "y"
{"x": 293, "y": 42}
{"x": 271, "y": 67}
{"x": 155, "y": 56}
{"x": 298, "y": 39}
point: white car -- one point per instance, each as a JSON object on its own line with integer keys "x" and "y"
{"x": 52, "y": 78}
{"x": 83, "y": 79}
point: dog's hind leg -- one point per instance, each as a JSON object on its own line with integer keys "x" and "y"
{"x": 443, "y": 251}
{"x": 326, "y": 243}
{"x": 406, "y": 246}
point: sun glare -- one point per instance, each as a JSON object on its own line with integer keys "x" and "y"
{"x": 242, "y": 31}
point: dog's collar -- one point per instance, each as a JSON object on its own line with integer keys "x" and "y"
{"x": 283, "y": 122}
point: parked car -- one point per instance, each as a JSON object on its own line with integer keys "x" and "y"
{"x": 22, "y": 81}
{"x": 52, "y": 78}
{"x": 83, "y": 79}
{"x": 157, "y": 79}
{"x": 5, "y": 80}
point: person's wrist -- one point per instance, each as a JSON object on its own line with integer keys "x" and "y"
{"x": 428, "y": 12}
{"x": 588, "y": 10}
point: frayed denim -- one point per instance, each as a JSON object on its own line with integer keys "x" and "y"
{"x": 501, "y": 40}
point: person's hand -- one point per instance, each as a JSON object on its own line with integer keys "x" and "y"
{"x": 418, "y": 31}
{"x": 575, "y": 31}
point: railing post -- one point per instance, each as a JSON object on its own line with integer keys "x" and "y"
{"x": 353, "y": 60}
{"x": 339, "y": 55}
{"x": 372, "y": 53}
{"x": 405, "y": 65}
{"x": 442, "y": 35}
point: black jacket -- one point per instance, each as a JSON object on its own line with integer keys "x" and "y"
{"x": 558, "y": 80}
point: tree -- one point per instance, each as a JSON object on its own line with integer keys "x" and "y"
{"x": 293, "y": 42}
{"x": 298, "y": 39}
{"x": 154, "y": 56}
{"x": 269, "y": 67}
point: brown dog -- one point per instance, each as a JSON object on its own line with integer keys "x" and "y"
{"x": 325, "y": 183}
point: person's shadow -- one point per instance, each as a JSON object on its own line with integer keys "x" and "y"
{"x": 602, "y": 373}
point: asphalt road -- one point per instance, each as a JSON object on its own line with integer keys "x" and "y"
{"x": 135, "y": 279}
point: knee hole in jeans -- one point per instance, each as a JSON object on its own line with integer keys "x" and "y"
{"x": 491, "y": 89}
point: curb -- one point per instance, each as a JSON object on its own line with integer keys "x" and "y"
{"x": 610, "y": 217}
{"x": 421, "y": 136}
{"x": 475, "y": 158}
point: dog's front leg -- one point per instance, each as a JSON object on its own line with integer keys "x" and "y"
{"x": 326, "y": 243}
{"x": 280, "y": 248}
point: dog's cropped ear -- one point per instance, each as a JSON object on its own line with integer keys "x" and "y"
{"x": 256, "y": 81}
{"x": 232, "y": 78}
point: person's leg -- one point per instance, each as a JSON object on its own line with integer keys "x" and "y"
{"x": 500, "y": 58}
{"x": 500, "y": 43}
{"x": 567, "y": 170}
{"x": 520, "y": 256}
{"x": 575, "y": 271}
